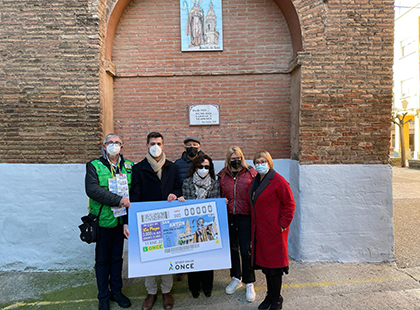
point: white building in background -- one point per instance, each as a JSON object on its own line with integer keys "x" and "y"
{"x": 406, "y": 75}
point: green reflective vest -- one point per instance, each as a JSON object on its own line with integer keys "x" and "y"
{"x": 107, "y": 218}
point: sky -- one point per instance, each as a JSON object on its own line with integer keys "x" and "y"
{"x": 401, "y": 6}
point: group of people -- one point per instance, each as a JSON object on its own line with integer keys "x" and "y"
{"x": 259, "y": 202}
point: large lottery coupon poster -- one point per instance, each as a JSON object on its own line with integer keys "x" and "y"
{"x": 177, "y": 237}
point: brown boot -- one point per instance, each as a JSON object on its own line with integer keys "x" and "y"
{"x": 148, "y": 302}
{"x": 168, "y": 301}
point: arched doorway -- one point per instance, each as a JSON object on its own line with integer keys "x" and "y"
{"x": 251, "y": 79}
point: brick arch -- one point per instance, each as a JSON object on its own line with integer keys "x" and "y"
{"x": 286, "y": 6}
{"x": 271, "y": 84}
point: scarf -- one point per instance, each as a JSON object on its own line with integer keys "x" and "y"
{"x": 156, "y": 165}
{"x": 202, "y": 186}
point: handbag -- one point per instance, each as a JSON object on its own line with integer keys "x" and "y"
{"x": 89, "y": 229}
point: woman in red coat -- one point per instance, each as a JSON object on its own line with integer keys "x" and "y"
{"x": 273, "y": 207}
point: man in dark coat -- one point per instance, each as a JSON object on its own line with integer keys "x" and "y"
{"x": 192, "y": 147}
{"x": 155, "y": 179}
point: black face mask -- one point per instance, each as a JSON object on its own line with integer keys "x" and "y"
{"x": 192, "y": 151}
{"x": 236, "y": 163}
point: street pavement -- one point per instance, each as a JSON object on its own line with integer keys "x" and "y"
{"x": 406, "y": 193}
{"x": 382, "y": 286}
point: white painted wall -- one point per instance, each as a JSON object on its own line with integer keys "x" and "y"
{"x": 41, "y": 207}
{"x": 343, "y": 213}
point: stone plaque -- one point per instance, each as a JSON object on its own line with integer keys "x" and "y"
{"x": 204, "y": 114}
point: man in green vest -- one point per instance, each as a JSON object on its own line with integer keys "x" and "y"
{"x": 107, "y": 184}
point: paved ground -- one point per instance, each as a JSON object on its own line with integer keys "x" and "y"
{"x": 382, "y": 286}
{"x": 406, "y": 191}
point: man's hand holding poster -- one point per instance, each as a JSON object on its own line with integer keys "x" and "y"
{"x": 176, "y": 237}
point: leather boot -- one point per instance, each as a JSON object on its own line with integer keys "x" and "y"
{"x": 266, "y": 303}
{"x": 277, "y": 304}
{"x": 148, "y": 302}
{"x": 168, "y": 301}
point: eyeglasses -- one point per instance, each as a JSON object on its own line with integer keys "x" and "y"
{"x": 260, "y": 162}
{"x": 113, "y": 142}
{"x": 207, "y": 167}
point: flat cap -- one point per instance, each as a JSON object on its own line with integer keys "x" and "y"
{"x": 192, "y": 139}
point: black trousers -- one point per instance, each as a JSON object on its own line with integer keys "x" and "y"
{"x": 240, "y": 242}
{"x": 108, "y": 261}
{"x": 274, "y": 285}
{"x": 200, "y": 280}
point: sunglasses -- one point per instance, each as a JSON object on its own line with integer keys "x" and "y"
{"x": 207, "y": 167}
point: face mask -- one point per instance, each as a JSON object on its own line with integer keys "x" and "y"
{"x": 202, "y": 172}
{"x": 236, "y": 163}
{"x": 113, "y": 149}
{"x": 155, "y": 150}
{"x": 262, "y": 168}
{"x": 191, "y": 151}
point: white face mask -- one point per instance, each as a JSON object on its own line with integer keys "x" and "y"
{"x": 203, "y": 172}
{"x": 155, "y": 150}
{"x": 113, "y": 149}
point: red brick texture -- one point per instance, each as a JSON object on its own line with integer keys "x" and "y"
{"x": 49, "y": 76}
{"x": 52, "y": 58}
{"x": 156, "y": 82}
{"x": 251, "y": 112}
{"x": 346, "y": 81}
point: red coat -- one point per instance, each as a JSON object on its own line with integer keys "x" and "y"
{"x": 272, "y": 209}
{"x": 236, "y": 190}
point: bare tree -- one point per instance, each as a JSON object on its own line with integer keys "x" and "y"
{"x": 399, "y": 120}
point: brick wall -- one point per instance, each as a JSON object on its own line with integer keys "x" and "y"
{"x": 250, "y": 81}
{"x": 346, "y": 81}
{"x": 52, "y": 57}
{"x": 49, "y": 81}
{"x": 254, "y": 114}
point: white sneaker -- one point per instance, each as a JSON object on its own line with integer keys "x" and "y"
{"x": 250, "y": 292}
{"x": 233, "y": 286}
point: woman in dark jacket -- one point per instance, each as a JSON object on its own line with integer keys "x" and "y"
{"x": 235, "y": 179}
{"x": 201, "y": 184}
{"x": 273, "y": 208}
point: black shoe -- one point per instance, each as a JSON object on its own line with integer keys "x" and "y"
{"x": 277, "y": 304}
{"x": 265, "y": 305}
{"x": 103, "y": 304}
{"x": 207, "y": 293}
{"x": 195, "y": 294}
{"x": 121, "y": 300}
